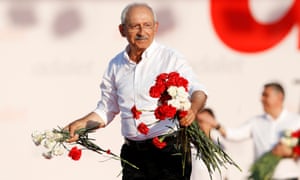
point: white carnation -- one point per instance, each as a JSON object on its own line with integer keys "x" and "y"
{"x": 58, "y": 136}
{"x": 50, "y": 135}
{"x": 58, "y": 150}
{"x": 288, "y": 133}
{"x": 49, "y": 144}
{"x": 172, "y": 91}
{"x": 181, "y": 92}
{"x": 186, "y": 105}
{"x": 180, "y": 98}
{"x": 291, "y": 142}
{"x": 47, "y": 155}
{"x": 37, "y": 137}
{"x": 175, "y": 103}
{"x": 182, "y": 95}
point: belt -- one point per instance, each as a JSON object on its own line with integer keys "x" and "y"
{"x": 147, "y": 144}
{"x": 139, "y": 145}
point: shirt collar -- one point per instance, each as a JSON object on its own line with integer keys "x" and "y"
{"x": 281, "y": 115}
{"x": 150, "y": 50}
{"x": 146, "y": 54}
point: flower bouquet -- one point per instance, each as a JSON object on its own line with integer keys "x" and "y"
{"x": 263, "y": 168}
{"x": 56, "y": 144}
{"x": 173, "y": 103}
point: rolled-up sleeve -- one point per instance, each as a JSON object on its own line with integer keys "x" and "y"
{"x": 186, "y": 70}
{"x": 107, "y": 107}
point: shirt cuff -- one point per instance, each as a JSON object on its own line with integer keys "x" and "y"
{"x": 101, "y": 114}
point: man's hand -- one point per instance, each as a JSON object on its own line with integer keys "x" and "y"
{"x": 198, "y": 100}
{"x": 73, "y": 127}
{"x": 90, "y": 121}
{"x": 282, "y": 150}
{"x": 188, "y": 119}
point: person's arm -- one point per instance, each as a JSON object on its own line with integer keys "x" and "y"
{"x": 198, "y": 100}
{"x": 236, "y": 134}
{"x": 105, "y": 112}
{"x": 217, "y": 126}
{"x": 90, "y": 121}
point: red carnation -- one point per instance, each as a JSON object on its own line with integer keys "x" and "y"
{"x": 135, "y": 112}
{"x": 296, "y": 134}
{"x": 173, "y": 79}
{"x": 296, "y": 150}
{"x": 156, "y": 91}
{"x": 173, "y": 75}
{"x": 182, "y": 82}
{"x": 158, "y": 143}
{"x": 75, "y": 153}
{"x": 108, "y": 151}
{"x": 162, "y": 77}
{"x": 164, "y": 111}
{"x": 143, "y": 128}
{"x": 182, "y": 114}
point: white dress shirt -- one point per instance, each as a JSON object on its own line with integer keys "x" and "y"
{"x": 126, "y": 84}
{"x": 266, "y": 133}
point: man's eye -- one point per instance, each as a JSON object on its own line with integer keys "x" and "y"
{"x": 134, "y": 26}
{"x": 148, "y": 25}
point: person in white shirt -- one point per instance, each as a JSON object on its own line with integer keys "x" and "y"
{"x": 266, "y": 130}
{"x": 126, "y": 84}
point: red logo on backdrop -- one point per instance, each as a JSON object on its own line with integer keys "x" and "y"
{"x": 236, "y": 27}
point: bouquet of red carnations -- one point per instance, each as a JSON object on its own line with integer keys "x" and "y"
{"x": 173, "y": 103}
{"x": 263, "y": 168}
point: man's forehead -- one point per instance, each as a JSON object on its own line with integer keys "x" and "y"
{"x": 139, "y": 13}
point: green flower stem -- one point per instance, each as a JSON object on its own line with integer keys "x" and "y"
{"x": 86, "y": 142}
{"x": 212, "y": 154}
{"x": 263, "y": 168}
{"x": 185, "y": 147}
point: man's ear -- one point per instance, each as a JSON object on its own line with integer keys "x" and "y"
{"x": 156, "y": 27}
{"x": 121, "y": 29}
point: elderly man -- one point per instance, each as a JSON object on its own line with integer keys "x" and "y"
{"x": 125, "y": 90}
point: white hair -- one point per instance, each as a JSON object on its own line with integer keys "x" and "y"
{"x": 128, "y": 7}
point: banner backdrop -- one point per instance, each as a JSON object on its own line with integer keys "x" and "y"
{"x": 53, "y": 55}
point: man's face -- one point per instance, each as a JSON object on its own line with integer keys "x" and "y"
{"x": 139, "y": 28}
{"x": 271, "y": 99}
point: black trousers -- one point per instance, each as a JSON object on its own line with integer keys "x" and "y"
{"x": 154, "y": 163}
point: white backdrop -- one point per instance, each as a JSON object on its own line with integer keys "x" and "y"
{"x": 53, "y": 54}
